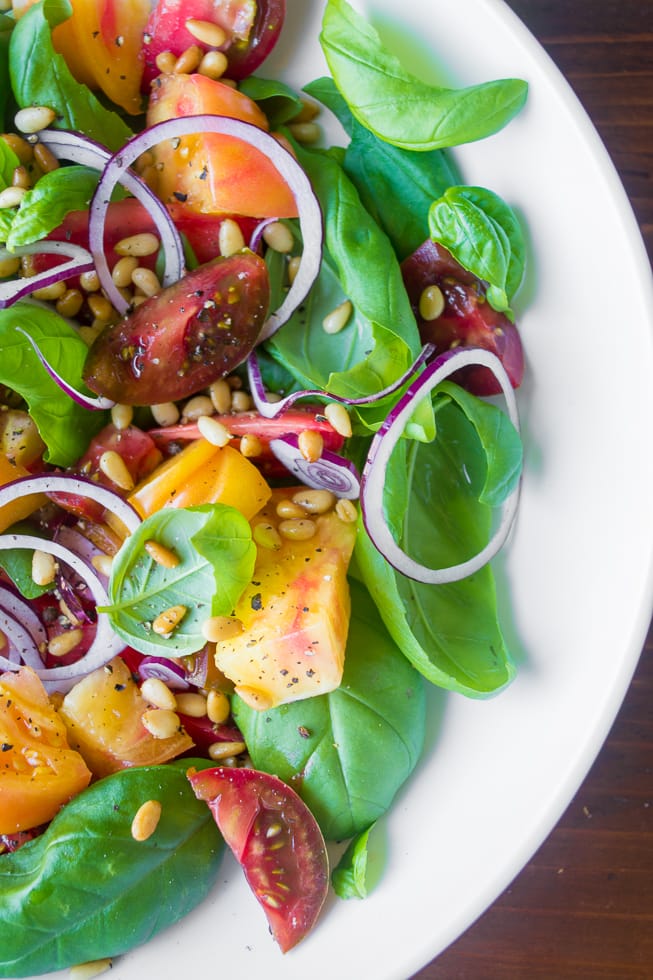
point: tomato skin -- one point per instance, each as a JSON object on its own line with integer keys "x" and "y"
{"x": 185, "y": 337}
{"x": 39, "y": 772}
{"x": 276, "y": 840}
{"x": 468, "y": 319}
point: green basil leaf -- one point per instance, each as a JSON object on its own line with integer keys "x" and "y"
{"x": 6, "y": 27}
{"x": 40, "y": 76}
{"x": 85, "y": 889}
{"x": 483, "y": 233}
{"x": 46, "y": 205}
{"x": 8, "y": 163}
{"x": 17, "y": 563}
{"x": 349, "y": 877}
{"x": 399, "y": 107}
{"x": 216, "y": 560}
{"x": 347, "y": 752}
{"x": 278, "y": 101}
{"x": 64, "y": 426}
{"x": 396, "y": 187}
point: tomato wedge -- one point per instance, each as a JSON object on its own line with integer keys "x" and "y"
{"x": 276, "y": 840}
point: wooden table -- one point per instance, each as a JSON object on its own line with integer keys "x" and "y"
{"x": 583, "y": 908}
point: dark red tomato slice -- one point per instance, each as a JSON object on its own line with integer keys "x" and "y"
{"x": 252, "y": 27}
{"x": 185, "y": 337}
{"x": 205, "y": 733}
{"x": 277, "y": 841}
{"x": 467, "y": 320}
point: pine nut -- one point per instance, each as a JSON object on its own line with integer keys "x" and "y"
{"x": 207, "y": 32}
{"x": 122, "y": 416}
{"x": 214, "y": 64}
{"x": 9, "y": 267}
{"x": 337, "y": 319}
{"x": 44, "y": 567}
{"x": 431, "y": 303}
{"x": 311, "y": 445}
{"x": 346, "y": 511}
{"x": 219, "y": 628}
{"x": 23, "y": 150}
{"x": 64, "y": 643}
{"x": 218, "y": 707}
{"x": 234, "y": 382}
{"x": 293, "y": 268}
{"x": 34, "y": 118}
{"x": 315, "y": 501}
{"x": 45, "y": 158}
{"x": 230, "y": 237}
{"x": 88, "y": 334}
{"x": 195, "y": 407}
{"x": 308, "y": 112}
{"x": 338, "y": 417}
{"x": 146, "y": 280}
{"x": 50, "y": 293}
{"x": 21, "y": 178}
{"x": 220, "y": 395}
{"x": 89, "y": 281}
{"x": 158, "y": 694}
{"x": 166, "y": 62}
{"x": 102, "y": 564}
{"x": 166, "y": 413}
{"x": 297, "y": 529}
{"x": 86, "y": 971}
{"x": 286, "y": 509}
{"x": 225, "y": 750}
{"x": 68, "y": 614}
{"x": 168, "y": 620}
{"x": 241, "y": 401}
{"x": 305, "y": 132}
{"x": 139, "y": 245}
{"x": 278, "y": 237}
{"x": 191, "y": 704}
{"x": 114, "y": 467}
{"x": 146, "y": 820}
{"x": 100, "y": 307}
{"x": 251, "y": 446}
{"x": 161, "y": 555}
{"x": 267, "y": 536}
{"x": 70, "y": 303}
{"x": 121, "y": 273}
{"x": 11, "y": 197}
{"x": 213, "y": 431}
{"x": 188, "y": 60}
{"x": 161, "y": 722}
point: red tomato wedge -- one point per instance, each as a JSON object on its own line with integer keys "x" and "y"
{"x": 276, "y": 840}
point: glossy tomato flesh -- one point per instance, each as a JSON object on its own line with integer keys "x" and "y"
{"x": 276, "y": 840}
{"x": 468, "y": 320}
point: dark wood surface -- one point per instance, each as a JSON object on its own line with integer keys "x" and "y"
{"x": 583, "y": 908}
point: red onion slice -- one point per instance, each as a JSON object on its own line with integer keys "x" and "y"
{"x": 92, "y": 402}
{"x": 374, "y": 471}
{"x": 164, "y": 669}
{"x": 329, "y": 472}
{"x": 80, "y": 260}
{"x": 310, "y": 214}
{"x": 22, "y": 651}
{"x": 14, "y": 605}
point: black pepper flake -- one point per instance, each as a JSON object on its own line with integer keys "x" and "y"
{"x": 283, "y": 672}
{"x": 180, "y": 196}
{"x": 257, "y": 601}
{"x": 304, "y": 732}
{"x": 119, "y": 687}
{"x": 6, "y": 747}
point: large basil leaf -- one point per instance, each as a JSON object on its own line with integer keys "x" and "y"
{"x": 347, "y": 752}
{"x": 449, "y": 632}
{"x": 216, "y": 560}
{"x": 278, "y": 101}
{"x": 6, "y": 27}
{"x": 40, "y": 76}
{"x": 396, "y": 186}
{"x": 65, "y": 427}
{"x": 8, "y": 163}
{"x": 46, "y": 205}
{"x": 86, "y": 889}
{"x": 398, "y": 106}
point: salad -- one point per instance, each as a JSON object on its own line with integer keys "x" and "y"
{"x": 251, "y": 475}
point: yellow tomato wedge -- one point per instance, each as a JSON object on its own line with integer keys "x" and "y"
{"x": 22, "y": 507}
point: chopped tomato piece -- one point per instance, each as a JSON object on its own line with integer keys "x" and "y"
{"x": 276, "y": 840}
{"x": 21, "y": 507}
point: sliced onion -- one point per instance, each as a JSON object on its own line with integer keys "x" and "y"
{"x": 383, "y": 443}
{"x": 80, "y": 260}
{"x": 165, "y": 669}
{"x": 269, "y": 409}
{"x": 60, "y": 483}
{"x": 22, "y": 649}
{"x": 329, "y": 472}
{"x": 310, "y": 214}
{"x": 24, "y": 631}
{"x": 257, "y": 235}
{"x": 92, "y": 402}
{"x": 14, "y": 605}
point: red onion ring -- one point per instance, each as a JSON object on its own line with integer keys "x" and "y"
{"x": 22, "y": 649}
{"x": 329, "y": 472}
{"x": 92, "y": 402}
{"x": 310, "y": 214}
{"x": 384, "y": 441}
{"x": 80, "y": 260}
{"x": 14, "y": 605}
{"x": 165, "y": 669}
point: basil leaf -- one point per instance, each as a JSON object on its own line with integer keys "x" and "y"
{"x": 216, "y": 560}
{"x": 17, "y": 563}
{"x": 40, "y": 76}
{"x": 349, "y": 877}
{"x": 483, "y": 233}
{"x": 46, "y": 205}
{"x": 278, "y": 101}
{"x": 6, "y": 27}
{"x": 347, "y": 752}
{"x": 65, "y": 427}
{"x": 397, "y": 106}
{"x": 85, "y": 889}
{"x": 396, "y": 186}
{"x": 8, "y": 163}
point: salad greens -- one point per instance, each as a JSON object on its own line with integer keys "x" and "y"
{"x": 349, "y": 877}
{"x": 45, "y": 206}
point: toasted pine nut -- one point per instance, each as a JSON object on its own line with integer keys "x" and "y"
{"x": 9, "y": 267}
{"x": 287, "y": 508}
{"x": 214, "y": 64}
{"x": 50, "y": 293}
{"x": 168, "y": 620}
{"x": 207, "y": 32}
{"x": 309, "y": 111}
{"x": 139, "y": 245}
{"x": 122, "y": 416}
{"x": 431, "y": 303}
{"x": 192, "y": 704}
{"x": 218, "y": 707}
{"x": 114, "y": 467}
{"x": 278, "y": 237}
{"x": 146, "y": 280}
{"x": 166, "y": 413}
{"x": 45, "y": 158}
{"x": 224, "y": 750}
{"x": 337, "y": 319}
{"x": 213, "y": 431}
{"x": 219, "y": 628}
{"x": 305, "y": 132}
{"x": 102, "y": 564}
{"x": 293, "y": 268}
{"x": 158, "y": 694}
{"x": 21, "y": 178}
{"x": 230, "y": 237}
{"x": 315, "y": 501}
{"x": 338, "y": 416}
{"x": 165, "y": 62}
{"x": 161, "y": 722}
{"x": 63, "y": 643}
{"x": 70, "y": 303}
{"x": 267, "y": 536}
{"x": 146, "y": 820}
{"x": 161, "y": 555}
{"x": 346, "y": 510}
{"x": 100, "y": 307}
{"x": 86, "y": 971}
{"x": 11, "y": 197}
{"x": 33, "y": 118}
{"x": 250, "y": 445}
{"x": 121, "y": 273}
{"x": 241, "y": 401}
{"x": 220, "y": 395}
{"x": 311, "y": 444}
{"x": 89, "y": 281}
{"x": 297, "y": 529}
{"x": 23, "y": 150}
{"x": 188, "y": 60}
{"x": 195, "y": 407}
{"x": 87, "y": 333}
{"x": 44, "y": 567}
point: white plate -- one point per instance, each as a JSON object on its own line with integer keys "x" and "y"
{"x": 578, "y": 575}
